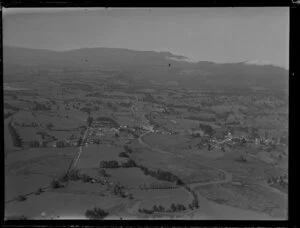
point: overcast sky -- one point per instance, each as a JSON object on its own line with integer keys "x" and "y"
{"x": 210, "y": 34}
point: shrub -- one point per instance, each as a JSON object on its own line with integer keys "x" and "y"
{"x": 103, "y": 173}
{"x": 130, "y": 196}
{"x": 129, "y": 164}
{"x": 55, "y": 184}
{"x": 74, "y": 174}
{"x": 85, "y": 178}
{"x": 128, "y": 149}
{"x": 22, "y": 198}
{"x": 123, "y": 155}
{"x": 39, "y": 191}
{"x": 64, "y": 177}
{"x": 109, "y": 164}
{"x": 96, "y": 213}
{"x": 119, "y": 190}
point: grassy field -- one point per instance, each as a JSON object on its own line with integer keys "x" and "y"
{"x": 162, "y": 197}
{"x": 133, "y": 178}
{"x": 250, "y": 197}
{"x": 94, "y": 154}
{"x": 28, "y": 170}
{"x": 29, "y": 134}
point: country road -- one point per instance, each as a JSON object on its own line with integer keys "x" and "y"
{"x": 80, "y": 148}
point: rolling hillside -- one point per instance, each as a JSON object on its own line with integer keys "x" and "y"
{"x": 139, "y": 66}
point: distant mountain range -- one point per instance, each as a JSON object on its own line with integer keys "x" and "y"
{"x": 143, "y": 66}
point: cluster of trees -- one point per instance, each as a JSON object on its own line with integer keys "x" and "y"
{"x": 128, "y": 149}
{"x": 253, "y": 132}
{"x": 103, "y": 173}
{"x": 17, "y": 141}
{"x": 111, "y": 121}
{"x": 114, "y": 164}
{"x": 45, "y": 135}
{"x": 86, "y": 109}
{"x": 123, "y": 155}
{"x": 34, "y": 143}
{"x": 127, "y": 105}
{"x": 281, "y": 180}
{"x": 60, "y": 143}
{"x": 207, "y": 129}
{"x": 161, "y": 175}
{"x": 8, "y": 106}
{"x": 109, "y": 164}
{"x": 112, "y": 107}
{"x": 195, "y": 203}
{"x": 157, "y": 186}
{"x": 79, "y": 142}
{"x": 129, "y": 164}
{"x": 41, "y": 107}
{"x": 33, "y": 124}
{"x": 89, "y": 121}
{"x": 6, "y": 115}
{"x": 119, "y": 190}
{"x": 49, "y": 126}
{"x": 96, "y": 213}
{"x": 74, "y": 175}
{"x": 160, "y": 208}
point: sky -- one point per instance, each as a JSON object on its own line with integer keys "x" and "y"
{"x": 257, "y": 35}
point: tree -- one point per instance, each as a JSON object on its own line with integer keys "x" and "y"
{"x": 223, "y": 148}
{"x": 123, "y": 155}
{"x": 161, "y": 208}
{"x": 266, "y": 134}
{"x": 89, "y": 121}
{"x": 173, "y": 207}
{"x": 60, "y": 144}
{"x": 49, "y": 126}
{"x": 209, "y": 147}
{"x": 34, "y": 143}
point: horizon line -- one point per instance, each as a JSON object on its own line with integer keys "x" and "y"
{"x": 246, "y": 62}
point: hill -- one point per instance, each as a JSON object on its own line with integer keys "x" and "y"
{"x": 140, "y": 67}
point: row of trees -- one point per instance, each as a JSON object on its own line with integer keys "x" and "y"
{"x": 6, "y": 115}
{"x": 8, "y": 106}
{"x": 34, "y": 144}
{"x": 160, "y": 208}
{"x": 41, "y": 107}
{"x": 109, "y": 164}
{"x": 161, "y": 175}
{"x": 96, "y": 214}
{"x": 90, "y": 121}
{"x": 17, "y": 141}
{"x": 114, "y": 164}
